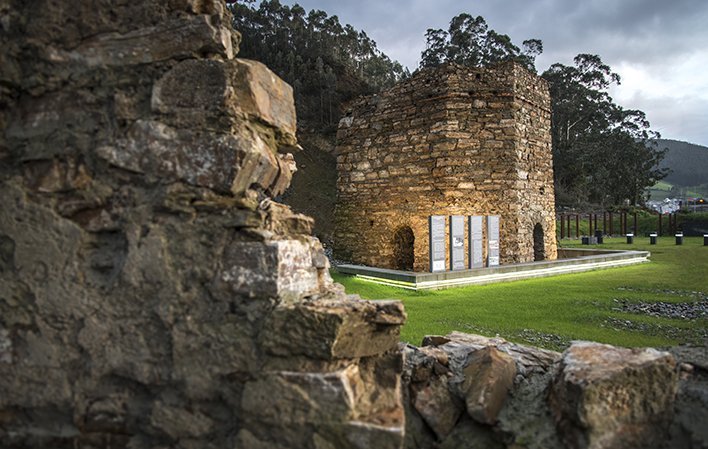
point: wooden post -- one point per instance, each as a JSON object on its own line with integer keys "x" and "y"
{"x": 577, "y": 226}
{"x": 660, "y": 223}
{"x": 568, "y": 227}
{"x": 562, "y": 227}
{"x": 604, "y": 222}
{"x": 636, "y": 231}
{"x": 612, "y": 223}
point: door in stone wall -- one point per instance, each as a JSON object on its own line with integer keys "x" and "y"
{"x": 403, "y": 254}
{"x": 539, "y": 250}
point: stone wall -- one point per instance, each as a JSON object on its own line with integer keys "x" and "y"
{"x": 448, "y": 141}
{"x": 473, "y": 392}
{"x": 151, "y": 293}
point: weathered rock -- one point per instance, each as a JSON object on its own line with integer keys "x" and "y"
{"x": 259, "y": 94}
{"x": 146, "y": 277}
{"x": 607, "y": 397}
{"x": 488, "y": 378}
{"x": 174, "y": 39}
{"x": 331, "y": 328}
{"x": 691, "y": 408}
{"x": 177, "y": 422}
{"x": 438, "y": 407}
{"x": 471, "y": 435}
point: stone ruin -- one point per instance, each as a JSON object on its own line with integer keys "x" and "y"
{"x": 152, "y": 295}
{"x": 448, "y": 141}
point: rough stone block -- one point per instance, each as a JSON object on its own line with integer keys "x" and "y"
{"x": 259, "y": 94}
{"x": 334, "y": 328}
{"x": 178, "y": 422}
{"x": 177, "y": 38}
{"x": 488, "y": 378}
{"x": 266, "y": 270}
{"x": 438, "y": 407}
{"x": 608, "y": 397}
{"x": 300, "y": 397}
{"x": 228, "y": 163}
{"x": 192, "y": 89}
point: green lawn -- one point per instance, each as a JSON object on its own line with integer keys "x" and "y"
{"x": 550, "y": 312}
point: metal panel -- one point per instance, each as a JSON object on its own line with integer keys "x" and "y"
{"x": 492, "y": 240}
{"x": 457, "y": 242}
{"x": 476, "y": 242}
{"x": 436, "y": 234}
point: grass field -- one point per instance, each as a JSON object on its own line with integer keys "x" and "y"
{"x": 550, "y": 312}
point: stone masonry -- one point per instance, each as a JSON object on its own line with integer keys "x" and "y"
{"x": 153, "y": 295}
{"x": 447, "y": 141}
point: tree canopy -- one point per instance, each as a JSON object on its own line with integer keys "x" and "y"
{"x": 469, "y": 41}
{"x": 602, "y": 153}
{"x": 326, "y": 62}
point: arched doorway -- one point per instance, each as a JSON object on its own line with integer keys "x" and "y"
{"x": 539, "y": 249}
{"x": 403, "y": 254}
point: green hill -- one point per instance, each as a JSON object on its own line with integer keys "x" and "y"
{"x": 688, "y": 163}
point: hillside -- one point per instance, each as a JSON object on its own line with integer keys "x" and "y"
{"x": 688, "y": 162}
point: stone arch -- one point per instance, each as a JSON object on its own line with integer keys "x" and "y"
{"x": 539, "y": 248}
{"x": 403, "y": 252}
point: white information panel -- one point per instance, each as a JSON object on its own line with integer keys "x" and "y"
{"x": 492, "y": 240}
{"x": 476, "y": 242}
{"x": 436, "y": 234}
{"x": 457, "y": 242}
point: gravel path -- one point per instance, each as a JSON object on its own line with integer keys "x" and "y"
{"x": 681, "y": 310}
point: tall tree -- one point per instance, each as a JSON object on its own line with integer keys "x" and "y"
{"x": 469, "y": 41}
{"x": 602, "y": 153}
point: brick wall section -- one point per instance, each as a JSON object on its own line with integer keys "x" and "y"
{"x": 451, "y": 140}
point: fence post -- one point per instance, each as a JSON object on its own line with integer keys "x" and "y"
{"x": 562, "y": 226}
{"x": 636, "y": 230}
{"x": 659, "y": 223}
{"x": 577, "y": 226}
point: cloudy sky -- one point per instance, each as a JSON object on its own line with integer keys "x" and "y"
{"x": 659, "y": 47}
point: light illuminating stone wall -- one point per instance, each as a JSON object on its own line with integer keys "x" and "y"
{"x": 448, "y": 141}
{"x": 152, "y": 295}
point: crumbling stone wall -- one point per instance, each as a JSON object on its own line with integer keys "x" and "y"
{"x": 447, "y": 141}
{"x": 151, "y": 293}
{"x": 468, "y": 391}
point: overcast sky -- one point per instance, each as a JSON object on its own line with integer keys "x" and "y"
{"x": 659, "y": 47}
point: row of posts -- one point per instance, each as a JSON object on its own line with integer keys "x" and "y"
{"x": 595, "y": 235}
{"x": 608, "y": 223}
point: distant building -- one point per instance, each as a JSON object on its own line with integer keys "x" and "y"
{"x": 447, "y": 141}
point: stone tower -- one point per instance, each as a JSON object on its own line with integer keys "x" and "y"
{"x": 448, "y": 141}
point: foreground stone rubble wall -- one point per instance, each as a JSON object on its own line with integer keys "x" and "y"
{"x": 448, "y": 141}
{"x": 467, "y": 391}
{"x": 153, "y": 296}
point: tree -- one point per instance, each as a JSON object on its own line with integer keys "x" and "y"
{"x": 325, "y": 62}
{"x": 602, "y": 153}
{"x": 469, "y": 41}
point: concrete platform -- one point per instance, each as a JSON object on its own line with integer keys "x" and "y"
{"x": 569, "y": 261}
